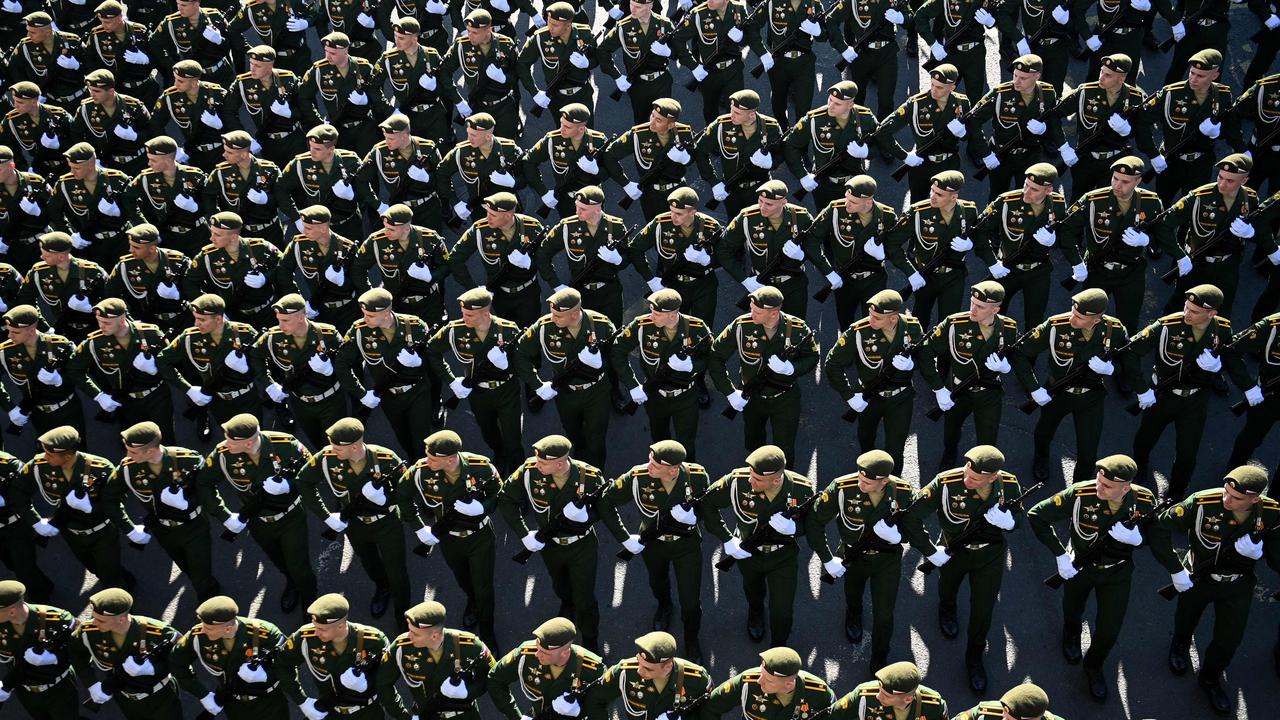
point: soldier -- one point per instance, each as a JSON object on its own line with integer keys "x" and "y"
{"x": 1082, "y": 338}
{"x": 1198, "y": 332}
{"x": 209, "y": 362}
{"x": 1093, "y": 563}
{"x": 563, "y": 677}
{"x": 572, "y": 152}
{"x": 838, "y": 135}
{"x": 1106, "y": 112}
{"x": 37, "y": 131}
{"x": 51, "y": 59}
{"x": 167, "y": 195}
{"x": 35, "y": 638}
{"x": 591, "y": 241}
{"x": 120, "y": 46}
{"x": 343, "y": 89}
{"x": 195, "y": 108}
{"x": 1124, "y": 29}
{"x": 261, "y": 467}
{"x": 869, "y": 52}
{"x": 773, "y": 236}
{"x": 1202, "y": 26}
{"x": 322, "y": 258}
{"x": 931, "y": 112}
{"x": 960, "y": 496}
{"x": 344, "y": 658}
{"x": 879, "y": 348}
{"x": 453, "y": 493}
{"x": 1024, "y": 702}
{"x": 729, "y": 138}
{"x": 558, "y": 487}
{"x": 850, "y": 235}
{"x": 1259, "y": 338}
{"x": 24, "y": 199}
{"x": 870, "y": 504}
{"x": 412, "y": 261}
{"x": 270, "y": 96}
{"x": 895, "y": 691}
{"x": 684, "y": 240}
{"x": 790, "y": 31}
{"x": 483, "y": 345}
{"x": 930, "y": 243}
{"x": 163, "y": 479}
{"x": 446, "y": 670}
{"x": 355, "y": 19}
{"x": 132, "y": 651}
{"x": 32, "y": 359}
{"x": 239, "y": 653}
{"x": 245, "y": 184}
{"x": 413, "y": 70}
{"x": 954, "y": 33}
{"x": 18, "y": 551}
{"x": 325, "y": 175}
{"x": 1258, "y": 104}
{"x": 709, "y": 40}
{"x": 663, "y": 682}
{"x": 1022, "y": 123}
{"x": 777, "y": 688}
{"x": 300, "y": 361}
{"x": 485, "y": 162}
{"x": 87, "y": 203}
{"x": 661, "y": 148}
{"x": 506, "y": 241}
{"x": 1240, "y": 516}
{"x": 112, "y": 123}
{"x": 281, "y": 25}
{"x": 65, "y": 301}
{"x": 763, "y": 491}
{"x": 240, "y": 270}
{"x": 560, "y": 41}
{"x": 399, "y": 169}
{"x": 490, "y": 81}
{"x": 200, "y": 34}
{"x": 362, "y": 477}
{"x": 645, "y": 38}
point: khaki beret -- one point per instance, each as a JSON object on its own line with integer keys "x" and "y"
{"x": 1120, "y": 468}
{"x": 1090, "y": 302}
{"x": 946, "y": 72}
{"x": 684, "y": 198}
{"x": 952, "y": 180}
{"x": 226, "y": 220}
{"x": 237, "y": 140}
{"x": 668, "y": 452}
{"x": 38, "y": 19}
{"x": 567, "y": 299}
{"x": 590, "y": 195}
{"x": 427, "y": 614}
{"x": 100, "y": 78}
{"x": 988, "y": 291}
{"x": 1207, "y": 59}
{"x": 502, "y": 202}
{"x": 559, "y": 11}
{"x": 876, "y": 464}
{"x": 110, "y": 307}
{"x": 25, "y": 89}
{"x": 407, "y": 26}
{"x": 886, "y": 301}
{"x": 328, "y": 608}
{"x": 241, "y": 427}
{"x": 80, "y": 152}
{"x": 481, "y": 121}
{"x": 844, "y": 90}
{"x": 12, "y": 592}
{"x": 767, "y": 459}
{"x": 289, "y": 304}
{"x": 1025, "y": 702}
{"x": 6, "y": 153}
{"x": 899, "y": 678}
{"x": 161, "y": 145}
{"x": 395, "y": 122}
{"x": 1119, "y": 62}
{"x": 56, "y": 241}
{"x": 668, "y": 107}
{"x": 477, "y": 298}
{"x": 781, "y": 661}
{"x": 576, "y": 113}
{"x": 1131, "y": 165}
{"x": 111, "y": 601}
{"x": 188, "y": 69}
{"x": 665, "y": 300}
{"x": 141, "y": 435}
{"x": 398, "y": 214}
{"x": 144, "y": 234}
{"x": 217, "y": 610}
{"x": 262, "y": 53}
{"x": 109, "y": 8}
{"x": 209, "y": 304}
{"x": 1042, "y": 174}
{"x": 555, "y": 633}
{"x": 443, "y": 443}
{"x": 657, "y": 647}
{"x": 746, "y": 99}
{"x": 21, "y": 316}
{"x": 479, "y": 18}
{"x": 1206, "y": 296}
{"x": 315, "y": 214}
{"x": 1249, "y": 479}
{"x": 1236, "y": 163}
{"x": 336, "y": 40}
{"x": 375, "y": 299}
{"x": 63, "y": 438}
{"x": 773, "y": 189}
{"x": 553, "y": 447}
{"x": 345, "y": 431}
{"x": 862, "y": 186}
{"x": 1030, "y": 63}
{"x": 985, "y": 459}
{"x": 767, "y": 298}
{"x": 324, "y": 134}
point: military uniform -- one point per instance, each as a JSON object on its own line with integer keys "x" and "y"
{"x": 461, "y": 656}
{"x": 839, "y": 146}
{"x": 335, "y": 184}
{"x": 483, "y": 90}
{"x": 147, "y": 695}
{"x": 55, "y": 67}
{"x": 330, "y": 93}
{"x": 571, "y": 162}
{"x": 206, "y": 38}
{"x": 712, "y": 40}
{"x": 271, "y": 23}
{"x": 762, "y": 240}
{"x": 401, "y": 265}
{"x": 1263, "y": 410}
{"x": 516, "y": 294}
{"x": 927, "y": 118}
{"x": 595, "y": 277}
{"x": 124, "y": 53}
{"x": 661, "y": 162}
{"x": 810, "y": 696}
{"x": 18, "y": 549}
{"x": 1122, "y": 28}
{"x": 123, "y": 373}
{"x": 117, "y": 136}
{"x": 30, "y": 137}
{"x": 1009, "y": 242}
{"x": 241, "y": 667}
{"x": 1204, "y": 25}
{"x": 900, "y": 678}
{"x": 646, "y": 59}
{"x": 482, "y": 170}
{"x": 745, "y": 153}
{"x": 956, "y": 349}
{"x": 926, "y": 236}
{"x": 323, "y": 270}
{"x": 1015, "y": 116}
{"x": 415, "y": 83}
{"x": 1024, "y": 701}
{"x": 248, "y": 191}
{"x": 215, "y": 270}
{"x": 273, "y": 106}
{"x": 172, "y": 204}
{"x": 650, "y": 698}
{"x": 564, "y": 81}
{"x": 1093, "y": 106}
{"x": 353, "y": 18}
{"x": 196, "y": 114}
{"x": 83, "y": 284}
{"x": 860, "y": 29}
{"x": 48, "y": 402}
{"x": 1260, "y": 104}
{"x": 847, "y": 239}
{"x": 543, "y": 684}
{"x": 404, "y": 176}
{"x": 952, "y": 25}
{"x": 685, "y": 257}
{"x": 315, "y": 399}
{"x": 95, "y": 215}
{"x": 46, "y": 691}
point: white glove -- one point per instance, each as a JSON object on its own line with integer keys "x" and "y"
{"x": 50, "y": 141}
{"x": 68, "y": 62}
{"x": 1041, "y": 396}
{"x": 464, "y": 109}
{"x": 108, "y": 207}
{"x": 991, "y": 161}
{"x": 353, "y": 680}
{"x": 257, "y": 197}
{"x": 767, "y": 61}
{"x": 1093, "y": 43}
{"x": 335, "y": 523}
{"x": 296, "y": 24}
{"x": 210, "y": 704}
{"x": 495, "y": 74}
{"x": 138, "y": 535}
{"x": 961, "y": 244}
{"x": 809, "y": 182}
{"x": 903, "y": 363}
{"x": 408, "y": 359}
{"x": 1272, "y": 22}
{"x": 1135, "y": 238}
{"x": 943, "y": 398}
{"x": 680, "y": 363}
{"x": 857, "y": 403}
{"x": 319, "y": 364}
{"x": 622, "y": 83}
{"x": 211, "y": 120}
{"x": 212, "y": 34}
{"x": 255, "y": 279}
{"x": 186, "y": 202}
{"x": 419, "y": 173}
{"x": 792, "y": 250}
{"x": 782, "y": 524}
{"x": 998, "y": 270}
{"x": 44, "y": 529}
{"x": 1146, "y": 399}
{"x": 873, "y": 248}
{"x": 736, "y": 400}
{"x": 277, "y": 393}
{"x": 541, "y": 99}
{"x": 985, "y": 17}
{"x": 251, "y": 674}
{"x": 887, "y": 532}
{"x": 638, "y": 395}
{"x": 632, "y": 189}
{"x": 1066, "y": 570}
{"x": 373, "y": 493}
{"x": 427, "y": 82}
{"x": 834, "y": 280}
{"x": 678, "y": 154}
{"x": 780, "y": 366}
{"x": 894, "y": 16}
{"x": 697, "y": 256}
{"x": 1119, "y": 125}
{"x": 275, "y": 485}
{"x": 80, "y": 303}
{"x": 1062, "y": 16}
{"x": 1241, "y": 228}
{"x": 419, "y": 271}
{"x": 1036, "y": 127}
{"x": 912, "y": 159}
{"x": 235, "y": 524}
{"x": 588, "y": 165}
{"x": 735, "y": 33}
{"x": 1179, "y": 31}
{"x": 633, "y": 545}
{"x": 834, "y": 567}
{"x": 502, "y": 5}
{"x": 916, "y": 280}
{"x": 997, "y": 364}
{"x": 1080, "y": 272}
{"x": 198, "y": 396}
{"x": 849, "y": 55}
{"x": 370, "y": 399}
{"x": 175, "y": 498}
{"x": 365, "y": 20}
{"x": 1248, "y": 548}
{"x": 19, "y": 418}
{"x": 343, "y": 189}
{"x": 939, "y": 52}
{"x": 459, "y": 390}
{"x": 998, "y": 516}
{"x": 1159, "y": 164}
{"x": 1125, "y": 534}
{"x": 1184, "y": 265}
{"x": 470, "y": 508}
{"x": 574, "y": 513}
{"x": 609, "y": 255}
{"x": 1209, "y": 362}
{"x": 1044, "y": 236}
{"x": 78, "y": 500}
{"x": 615, "y": 13}
{"x": 939, "y": 557}
{"x": 581, "y": 62}
{"x": 957, "y": 128}
{"x": 308, "y": 708}
{"x": 12, "y": 6}
{"x": 763, "y": 160}
{"x": 733, "y": 549}
{"x": 1209, "y": 128}
{"x": 39, "y": 658}
{"x": 546, "y": 392}
{"x": 1068, "y": 154}
{"x": 1181, "y": 581}
{"x": 531, "y": 543}
{"x": 461, "y": 209}
{"x": 537, "y": 20}
{"x": 455, "y": 689}
{"x": 310, "y": 312}
{"x": 52, "y": 378}
{"x": 106, "y": 402}
{"x": 549, "y": 199}
{"x": 1253, "y": 396}
{"x": 566, "y": 705}
{"x": 684, "y": 516}
{"x": 1274, "y": 258}
{"x": 136, "y": 57}
{"x": 335, "y": 274}
{"x": 655, "y": 284}
{"x": 590, "y": 357}
{"x": 856, "y": 149}
{"x": 700, "y": 73}
{"x": 497, "y": 356}
{"x": 124, "y": 132}
{"x": 98, "y": 695}
{"x": 1100, "y": 366}
{"x": 810, "y": 28}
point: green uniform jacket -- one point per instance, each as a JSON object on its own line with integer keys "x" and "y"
{"x": 461, "y": 344}
{"x": 866, "y": 350}
{"x": 379, "y": 356}
{"x": 1204, "y": 212}
{"x": 542, "y": 687}
{"x": 544, "y": 341}
{"x": 20, "y": 368}
{"x": 215, "y": 271}
{"x": 1089, "y": 516}
{"x": 861, "y": 704}
{"x": 960, "y": 340}
{"x": 994, "y": 709}
{"x": 16, "y": 495}
{"x": 1009, "y": 112}
{"x": 305, "y": 256}
{"x": 1212, "y": 531}
{"x": 1178, "y": 349}
{"x": 94, "y": 125}
{"x": 93, "y": 648}
{"x": 423, "y": 245}
{"x": 1089, "y": 103}
{"x": 543, "y": 49}
{"x": 1259, "y": 104}
{"x": 325, "y": 91}
{"x": 42, "y": 287}
{"x": 382, "y": 468}
{"x": 33, "y": 62}
{"x": 938, "y": 20}
{"x": 641, "y": 698}
{"x": 635, "y": 39}
{"x": 322, "y": 660}
{"x": 730, "y": 143}
{"x": 135, "y": 283}
{"x": 1175, "y": 110}
{"x": 228, "y": 188}
{"x": 851, "y": 19}
{"x": 151, "y": 195}
{"x": 22, "y": 132}
{"x": 246, "y": 477}
{"x": 252, "y": 95}
{"x": 574, "y": 237}
{"x": 44, "y": 621}
{"x": 858, "y": 514}
{"x": 527, "y": 485}
{"x": 956, "y": 506}
{"x": 922, "y": 113}
{"x": 670, "y": 242}
{"x": 186, "y": 112}
{"x": 426, "y": 495}
{"x": 702, "y": 38}
{"x": 563, "y": 154}
{"x": 750, "y": 507}
{"x": 762, "y": 241}
{"x": 1006, "y": 230}
{"x": 102, "y": 364}
{"x": 828, "y": 139}
{"x": 926, "y": 235}
{"x": 253, "y": 638}
{"x": 477, "y": 166}
{"x": 176, "y": 38}
{"x": 1069, "y": 348}
{"x": 277, "y": 357}
{"x": 305, "y": 182}
{"x": 649, "y": 149}
{"x": 473, "y": 61}
{"x": 743, "y": 691}
{"x": 1262, "y": 338}
{"x": 655, "y": 348}
{"x": 1096, "y": 223}
{"x": 842, "y": 236}
{"x": 753, "y": 347}
{"x": 780, "y": 19}
{"x": 654, "y": 502}
{"x": 73, "y": 208}
{"x": 179, "y": 468}
{"x": 494, "y": 245}
{"x": 193, "y": 358}
{"x": 425, "y": 674}
{"x": 387, "y": 172}
{"x": 404, "y": 75}
{"x": 14, "y": 221}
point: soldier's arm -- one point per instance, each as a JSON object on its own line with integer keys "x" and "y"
{"x": 77, "y": 368}
{"x": 726, "y": 249}
{"x": 840, "y": 358}
{"x": 286, "y": 668}
{"x": 815, "y": 527}
{"x": 1142, "y": 343}
{"x": 927, "y": 502}
{"x": 613, "y": 155}
{"x": 207, "y": 488}
{"x": 723, "y": 699}
{"x": 719, "y": 495}
{"x": 112, "y": 497}
{"x": 182, "y": 666}
{"x": 1045, "y": 513}
{"x": 385, "y": 685}
{"x": 1233, "y": 363}
{"x": 1179, "y": 518}
{"x": 545, "y": 259}
{"x": 724, "y": 346}
{"x": 510, "y": 499}
{"x": 809, "y": 353}
{"x": 1024, "y": 357}
{"x": 501, "y": 675}
{"x": 529, "y": 347}
{"x": 308, "y": 479}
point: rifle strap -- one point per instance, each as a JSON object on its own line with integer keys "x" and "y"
{"x": 457, "y": 653}
{"x": 677, "y": 669}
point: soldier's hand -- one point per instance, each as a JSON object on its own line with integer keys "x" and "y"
{"x": 609, "y": 255}
{"x": 849, "y": 54}
{"x": 1119, "y": 125}
{"x": 957, "y": 128}
{"x": 1159, "y": 164}
{"x": 30, "y": 207}
{"x": 1036, "y": 126}
{"x": 44, "y": 529}
{"x": 1179, "y": 31}
{"x": 991, "y": 161}
{"x": 782, "y": 524}
{"x": 320, "y": 364}
{"x": 886, "y": 532}
{"x": 542, "y": 99}
{"x": 464, "y": 109}
{"x": 633, "y": 545}
{"x": 426, "y": 537}
{"x": 79, "y": 500}
{"x": 168, "y": 291}
{"x": 257, "y": 197}
{"x": 234, "y": 523}
{"x": 1100, "y": 366}
{"x": 857, "y": 402}
{"x": 998, "y": 270}
{"x": 912, "y": 159}
{"x": 531, "y": 543}
{"x": 1146, "y": 399}
{"x": 212, "y": 34}
{"x": 590, "y": 357}
{"x": 210, "y": 704}
{"x": 68, "y": 61}
{"x": 138, "y": 535}
{"x": 736, "y": 400}
{"x": 39, "y": 657}
{"x": 1182, "y": 581}
{"x": 735, "y": 33}
{"x": 733, "y": 548}
{"x": 459, "y": 389}
{"x": 495, "y": 73}
{"x": 700, "y": 72}
{"x": 1253, "y": 396}
{"x": 698, "y": 256}
{"x": 335, "y": 522}
{"x": 1066, "y": 569}
{"x": 780, "y": 366}
{"x": 1272, "y": 22}
{"x": 310, "y": 711}
{"x": 1023, "y": 47}
{"x": 566, "y": 705}
{"x": 98, "y": 695}
{"x": 793, "y": 250}
{"x": 1242, "y": 229}
{"x": 409, "y": 358}
{"x": 197, "y": 395}
{"x": 834, "y": 280}
{"x": 52, "y": 378}
{"x": 370, "y": 399}
{"x": 943, "y": 398}
{"x": 895, "y": 16}
{"x": 1248, "y": 548}
{"x": 916, "y": 280}
{"x": 683, "y": 515}
{"x": 50, "y": 141}
{"x": 588, "y": 165}
{"x": 834, "y": 567}
{"x": 470, "y": 508}
{"x": 767, "y": 61}
{"x": 939, "y": 557}
{"x": 984, "y": 17}
{"x": 296, "y": 24}
{"x": 255, "y": 279}
{"x": 809, "y": 182}
{"x": 145, "y": 364}
{"x": 638, "y": 395}
{"x": 106, "y": 402}
{"x": 1208, "y": 361}
{"x": 427, "y": 82}
{"x": 277, "y": 393}
{"x": 549, "y": 199}
{"x": 138, "y": 669}
{"x": 999, "y": 517}
{"x": 545, "y": 391}
{"x": 124, "y": 132}
{"x": 623, "y": 84}
{"x": 903, "y": 363}
{"x": 1135, "y": 238}
{"x": 1080, "y": 272}
{"x": 655, "y": 284}
{"x": 17, "y": 417}
{"x": 456, "y": 689}
{"x": 938, "y": 50}
{"x": 573, "y": 512}
{"x": 1125, "y": 534}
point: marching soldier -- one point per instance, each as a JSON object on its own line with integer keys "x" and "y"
{"x": 245, "y": 184}
{"x": 488, "y": 62}
{"x": 838, "y": 135}
{"x": 167, "y": 195}
{"x": 954, "y": 33}
{"x": 661, "y": 149}
{"x": 342, "y": 90}
{"x": 399, "y": 168}
{"x": 506, "y": 241}
{"x": 485, "y": 162}
{"x": 413, "y": 70}
{"x": 195, "y": 108}
{"x": 453, "y": 493}
{"x": 930, "y": 244}
{"x": 560, "y": 41}
{"x": 148, "y": 280}
{"x": 554, "y": 673}
{"x": 777, "y": 688}
{"x": 709, "y": 41}
{"x": 981, "y": 488}
{"x": 663, "y": 683}
{"x": 412, "y": 264}
{"x": 573, "y": 152}
{"x": 1175, "y": 392}
{"x": 281, "y": 25}
{"x": 200, "y": 34}
{"x": 645, "y": 39}
{"x": 36, "y": 131}
{"x": 879, "y": 349}
{"x": 163, "y": 479}
{"x": 270, "y": 96}
{"x": 132, "y": 652}
{"x": 113, "y": 123}
{"x": 764, "y": 491}
{"x": 1201, "y": 26}
{"x": 35, "y": 638}
{"x": 743, "y": 141}
{"x": 24, "y": 200}
{"x": 65, "y": 287}
{"x": 1239, "y": 516}
{"x": 937, "y": 120}
{"x": 355, "y": 19}
{"x": 499, "y": 10}
{"x": 240, "y": 270}
{"x": 1259, "y": 104}
{"x": 261, "y": 468}
{"x": 1106, "y": 112}
{"x": 483, "y": 345}
{"x": 773, "y": 236}
{"x": 870, "y": 504}
{"x": 1091, "y": 562}
{"x": 239, "y": 654}
{"x": 572, "y": 340}
{"x": 87, "y": 203}
{"x": 896, "y": 691}
{"x": 1124, "y": 28}
{"x": 1259, "y": 338}
{"x": 1081, "y": 343}
{"x": 321, "y": 257}
{"x": 32, "y": 359}
{"x": 209, "y": 361}
{"x": 557, "y": 487}
{"x": 684, "y": 240}
{"x": 593, "y": 243}
{"x": 17, "y": 530}
{"x": 850, "y": 232}
{"x": 120, "y": 46}
{"x": 790, "y": 31}
{"x": 869, "y": 47}
{"x": 1024, "y": 702}
{"x": 325, "y": 175}
{"x": 1022, "y": 124}
{"x": 362, "y": 478}
{"x": 51, "y": 59}
{"x": 446, "y": 670}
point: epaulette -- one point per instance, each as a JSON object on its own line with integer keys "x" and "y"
{"x": 1060, "y": 319}
{"x": 476, "y": 459}
{"x": 1270, "y": 504}
{"x": 197, "y": 629}
{"x": 590, "y": 471}
{"x": 919, "y": 96}
{"x": 902, "y": 485}
{"x": 503, "y": 322}
{"x": 844, "y": 482}
{"x": 1212, "y": 496}
{"x": 1008, "y": 478}
{"x": 12, "y": 114}
{"x": 815, "y": 684}
{"x": 169, "y": 91}
{"x": 501, "y": 141}
{"x": 95, "y": 334}
{"x": 7, "y": 344}
{"x": 928, "y": 696}
{"x": 582, "y": 26}
{"x": 802, "y": 481}
{"x": 1269, "y": 80}
{"x": 1224, "y": 322}
{"x": 1149, "y": 194}
{"x": 644, "y": 320}
{"x": 590, "y": 663}
{"x": 695, "y": 469}
{"x": 919, "y": 206}
{"x": 224, "y": 165}
{"x": 965, "y": 203}
{"x": 751, "y": 676}
{"x": 183, "y": 452}
{"x": 1175, "y": 85}
{"x": 1009, "y": 322}
{"x": 641, "y": 126}
{"x": 753, "y": 210}
{"x": 862, "y": 324}
{"x": 319, "y": 63}
{"x": 1086, "y": 488}
{"x": 88, "y": 625}
{"x": 694, "y": 671}
{"x": 1142, "y": 493}
{"x": 771, "y": 122}
{"x": 324, "y": 328}
{"x": 1206, "y": 189}
{"x": 816, "y": 112}
{"x": 742, "y": 319}
{"x": 1100, "y": 193}
{"x": 598, "y": 316}
{"x": 244, "y": 76}
{"x": 1003, "y": 86}
{"x": 528, "y": 649}
{"x": 695, "y": 321}
{"x": 352, "y": 154}
{"x": 1113, "y": 322}
{"x": 382, "y": 453}
{"x": 951, "y": 476}
{"x": 370, "y": 633}
{"x": 307, "y": 631}
{"x": 503, "y": 38}
{"x": 1171, "y": 319}
{"x": 1005, "y": 197}
{"x": 150, "y": 626}
{"x": 402, "y": 640}
{"x": 276, "y": 436}
{"x": 794, "y": 321}
{"x": 958, "y": 317}
{"x": 173, "y": 16}
{"x": 1043, "y": 85}
{"x": 95, "y": 461}
{"x": 629, "y": 664}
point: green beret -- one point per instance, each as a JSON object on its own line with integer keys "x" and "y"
{"x": 209, "y": 304}
{"x": 590, "y": 195}
{"x": 21, "y": 316}
{"x": 80, "y": 152}
{"x": 37, "y": 19}
{"x": 876, "y": 464}
{"x": 684, "y": 198}
{"x": 668, "y": 452}
{"x": 56, "y": 241}
{"x": 144, "y": 234}
{"x": 262, "y": 53}
{"x": 237, "y": 140}
{"x": 1119, "y": 62}
{"x": 443, "y": 443}
{"x": 886, "y": 301}
{"x": 773, "y": 189}
{"x": 109, "y": 8}
{"x": 657, "y": 647}
{"x": 988, "y": 291}
{"x": 395, "y": 122}
{"x": 111, "y": 601}
{"x": 1090, "y": 302}
{"x": 1042, "y": 174}
{"x": 502, "y": 202}
{"x": 985, "y": 458}
{"x": 289, "y": 304}
{"x": 559, "y": 11}
{"x": 141, "y": 435}
{"x": 1207, "y": 59}
{"x": 951, "y": 180}
{"x": 1236, "y": 163}
{"x": 1025, "y": 702}
{"x": 746, "y": 99}
{"x": 767, "y": 459}
{"x": 576, "y": 113}
{"x": 781, "y": 661}
{"x": 324, "y": 134}
{"x": 844, "y": 90}
{"x": 328, "y": 608}
{"x": 398, "y": 214}
{"x": 899, "y": 678}
{"x": 668, "y": 107}
{"x": 553, "y": 447}
{"x": 315, "y": 214}
{"x": 427, "y": 614}
{"x": 567, "y": 299}
{"x": 375, "y": 299}
{"x": 555, "y": 633}
{"x": 188, "y": 69}
{"x": 1030, "y": 63}
{"x": 477, "y": 298}
{"x": 336, "y": 40}
{"x": 110, "y": 307}
{"x": 100, "y": 78}
{"x": 1249, "y": 479}
{"x": 226, "y": 220}
{"x": 946, "y": 72}
{"x": 345, "y": 431}
{"x": 767, "y": 298}
{"x": 1121, "y": 468}
{"x": 1206, "y": 296}
{"x": 862, "y": 186}
{"x": 1131, "y": 165}
{"x": 241, "y": 427}
{"x": 161, "y": 145}
{"x": 12, "y": 592}
{"x": 6, "y": 153}
{"x": 479, "y": 18}
{"x": 407, "y": 26}
{"x": 63, "y": 438}
{"x": 25, "y": 89}
{"x": 665, "y": 300}
{"x": 217, "y": 610}
{"x": 481, "y": 121}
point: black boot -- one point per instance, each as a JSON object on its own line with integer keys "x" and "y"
{"x": 755, "y": 623}
{"x": 1040, "y": 467}
{"x": 1071, "y": 645}
{"x": 378, "y": 604}
{"x": 662, "y": 616}
{"x": 469, "y": 617}
{"x": 947, "y": 624}
{"x": 977, "y": 672}
{"x": 853, "y": 625}
{"x": 1179, "y": 655}
{"x": 1097, "y": 683}
{"x": 289, "y": 598}
{"x": 1211, "y": 683}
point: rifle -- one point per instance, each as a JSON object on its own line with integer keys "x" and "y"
{"x": 46, "y": 641}
{"x": 657, "y": 166}
{"x": 361, "y": 505}
{"x": 939, "y": 258}
{"x": 157, "y": 508}
{"x": 547, "y": 711}
{"x": 719, "y": 49}
{"x": 765, "y": 376}
{"x": 644, "y": 57}
{"x": 1221, "y": 237}
{"x": 1098, "y": 547}
{"x": 1188, "y": 21}
{"x": 1067, "y": 380}
{"x": 664, "y": 370}
{"x": 1100, "y": 129}
{"x": 1017, "y": 139}
{"x": 882, "y": 376}
{"x": 868, "y": 540}
{"x": 571, "y": 175}
{"x": 563, "y": 68}
{"x": 63, "y": 512}
{"x": 217, "y": 381}
{"x": 366, "y": 665}
{"x": 479, "y": 364}
{"x": 791, "y": 37}
{"x": 1268, "y": 389}
{"x": 857, "y": 261}
{"x": 1191, "y": 133}
{"x": 937, "y": 139}
{"x": 763, "y": 533}
{"x": 451, "y": 520}
{"x": 461, "y": 672}
{"x": 973, "y": 527}
{"x": 28, "y": 402}
{"x": 950, "y": 41}
{"x": 1028, "y": 240}
{"x": 1168, "y": 381}
{"x": 393, "y": 377}
{"x": 862, "y": 39}
{"x": 688, "y": 709}
{"x": 117, "y": 678}
{"x": 977, "y": 378}
{"x": 252, "y": 508}
{"x": 1169, "y": 592}
{"x": 773, "y": 266}
{"x": 741, "y": 173}
{"x": 660, "y": 525}
{"x": 668, "y": 276}
{"x": 260, "y": 658}
{"x": 837, "y": 158}
{"x": 1092, "y": 260}
{"x": 588, "y": 270}
{"x": 572, "y": 366}
{"x": 559, "y": 523}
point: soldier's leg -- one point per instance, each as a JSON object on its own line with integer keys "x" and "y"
{"x": 1258, "y": 421}
{"x": 1113, "y": 602}
{"x": 1154, "y": 420}
{"x": 884, "y": 597}
{"x": 105, "y": 554}
{"x": 310, "y": 422}
{"x": 754, "y": 419}
{"x": 984, "y": 587}
{"x": 457, "y": 555}
{"x": 364, "y": 545}
{"x": 497, "y": 412}
{"x": 556, "y": 558}
{"x": 855, "y": 586}
{"x": 595, "y": 417}
{"x": 296, "y": 551}
{"x": 1230, "y": 616}
{"x": 801, "y": 77}
{"x": 886, "y": 79}
{"x": 1188, "y": 428}
{"x": 897, "y": 425}
{"x": 998, "y": 180}
{"x": 1186, "y": 615}
{"x": 988, "y": 406}
{"x": 57, "y": 703}
{"x": 918, "y": 181}
{"x": 572, "y": 410}
{"x": 657, "y": 565}
{"x": 480, "y": 559}
{"x": 973, "y": 70}
{"x": 781, "y": 581}
{"x": 1087, "y": 417}
{"x": 785, "y": 423}
{"x": 684, "y": 422}
{"x": 753, "y": 582}
{"x": 582, "y": 579}
{"x": 953, "y": 422}
{"x": 1051, "y": 416}
{"x": 949, "y": 579}
{"x": 273, "y": 705}
{"x": 688, "y": 570}
{"x": 1269, "y": 299}
{"x": 1035, "y": 295}
{"x": 869, "y": 424}
{"x": 924, "y": 299}
{"x": 197, "y": 553}
{"x": 795, "y": 296}
{"x": 390, "y": 542}
{"x": 1075, "y": 596}
{"x": 162, "y": 705}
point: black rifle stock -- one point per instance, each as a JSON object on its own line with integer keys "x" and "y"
{"x": 1098, "y": 547}
{"x": 978, "y": 377}
{"x": 765, "y": 376}
{"x": 762, "y": 533}
{"x": 868, "y": 539}
{"x": 975, "y": 526}
{"x": 557, "y": 524}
